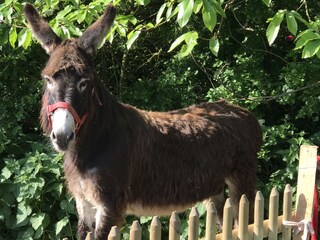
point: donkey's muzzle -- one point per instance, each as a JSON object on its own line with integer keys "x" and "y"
{"x": 63, "y": 129}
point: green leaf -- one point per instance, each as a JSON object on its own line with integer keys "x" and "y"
{"x": 65, "y": 33}
{"x": 301, "y": 19}
{"x": 291, "y": 23}
{"x": 67, "y": 206}
{"x": 178, "y": 41}
{"x": 201, "y": 207}
{"x": 18, "y": 7}
{"x": 169, "y": 13}
{"x": 6, "y": 173}
{"x": 75, "y": 3}
{"x": 22, "y": 213}
{"x": 8, "y": 15}
{"x": 4, "y": 36}
{"x": 74, "y": 30}
{"x": 61, "y": 224}
{"x": 149, "y": 25}
{"x": 160, "y": 12}
{"x": 219, "y": 8}
{"x": 121, "y": 30}
{"x": 145, "y": 219}
{"x": 64, "y": 12}
{"x": 81, "y": 16}
{"x": 274, "y": 26}
{"x": 39, "y": 232}
{"x": 300, "y": 43}
{"x": 185, "y": 50}
{"x": 89, "y": 17}
{"x": 36, "y": 220}
{"x": 311, "y": 48}
{"x": 267, "y": 2}
{"x": 132, "y": 37}
{"x": 190, "y": 38}
{"x": 209, "y": 15}
{"x": 28, "y": 39}
{"x": 5, "y": 212}
{"x": 26, "y": 234}
{"x": 185, "y": 11}
{"x": 123, "y": 19}
{"x": 13, "y": 36}
{"x": 142, "y": 2}
{"x": 73, "y": 15}
{"x": 191, "y": 41}
{"x": 197, "y": 6}
{"x": 214, "y": 46}
{"x": 22, "y": 37}
{"x": 308, "y": 35}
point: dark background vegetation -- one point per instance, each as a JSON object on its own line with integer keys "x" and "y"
{"x": 279, "y": 86}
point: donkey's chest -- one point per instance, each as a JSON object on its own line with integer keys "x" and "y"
{"x": 84, "y": 188}
{"x": 88, "y": 203}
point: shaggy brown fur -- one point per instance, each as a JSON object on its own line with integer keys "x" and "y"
{"x": 126, "y": 160}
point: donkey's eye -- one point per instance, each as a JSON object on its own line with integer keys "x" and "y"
{"x": 48, "y": 80}
{"x": 82, "y": 85}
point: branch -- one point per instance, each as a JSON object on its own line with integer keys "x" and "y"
{"x": 156, "y": 54}
{"x": 270, "y": 98}
{"x": 210, "y": 77}
{"x": 255, "y": 49}
{"x": 123, "y": 70}
{"x": 307, "y": 11}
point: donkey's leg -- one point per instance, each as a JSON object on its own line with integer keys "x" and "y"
{"x": 241, "y": 181}
{"x": 83, "y": 229}
{"x": 106, "y": 218}
{"x": 218, "y": 201}
{"x": 86, "y": 221}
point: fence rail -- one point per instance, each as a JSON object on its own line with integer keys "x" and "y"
{"x": 259, "y": 230}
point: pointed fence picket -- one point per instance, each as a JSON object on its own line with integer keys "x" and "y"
{"x": 211, "y": 221}
{"x": 174, "y": 227}
{"x": 114, "y": 233}
{"x": 155, "y": 229}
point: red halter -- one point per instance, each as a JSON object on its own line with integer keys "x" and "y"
{"x": 79, "y": 121}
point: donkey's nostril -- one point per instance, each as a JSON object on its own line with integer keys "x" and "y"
{"x": 53, "y": 135}
{"x": 71, "y": 136}
{"x": 61, "y": 140}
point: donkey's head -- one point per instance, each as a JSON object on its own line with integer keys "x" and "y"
{"x": 68, "y": 75}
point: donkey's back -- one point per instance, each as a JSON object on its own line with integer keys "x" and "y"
{"x": 184, "y": 156}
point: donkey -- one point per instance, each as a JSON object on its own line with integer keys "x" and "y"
{"x": 121, "y": 160}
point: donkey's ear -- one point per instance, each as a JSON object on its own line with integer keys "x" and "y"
{"x": 92, "y": 38}
{"x": 41, "y": 29}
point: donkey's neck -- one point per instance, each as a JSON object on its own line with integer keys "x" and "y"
{"x": 97, "y": 140}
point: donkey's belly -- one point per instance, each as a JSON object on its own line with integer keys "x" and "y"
{"x": 140, "y": 210}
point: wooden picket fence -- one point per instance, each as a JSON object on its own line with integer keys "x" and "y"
{"x": 270, "y": 228}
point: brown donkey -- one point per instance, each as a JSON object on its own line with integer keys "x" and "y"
{"x": 122, "y": 160}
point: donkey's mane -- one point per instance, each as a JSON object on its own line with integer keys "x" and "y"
{"x": 68, "y": 55}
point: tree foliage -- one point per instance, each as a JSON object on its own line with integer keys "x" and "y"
{"x": 160, "y": 55}
{"x": 69, "y": 20}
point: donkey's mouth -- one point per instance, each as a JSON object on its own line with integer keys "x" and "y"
{"x": 62, "y": 142}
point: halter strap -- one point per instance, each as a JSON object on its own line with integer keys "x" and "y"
{"x": 79, "y": 121}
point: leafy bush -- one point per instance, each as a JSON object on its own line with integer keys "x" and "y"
{"x": 34, "y": 202}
